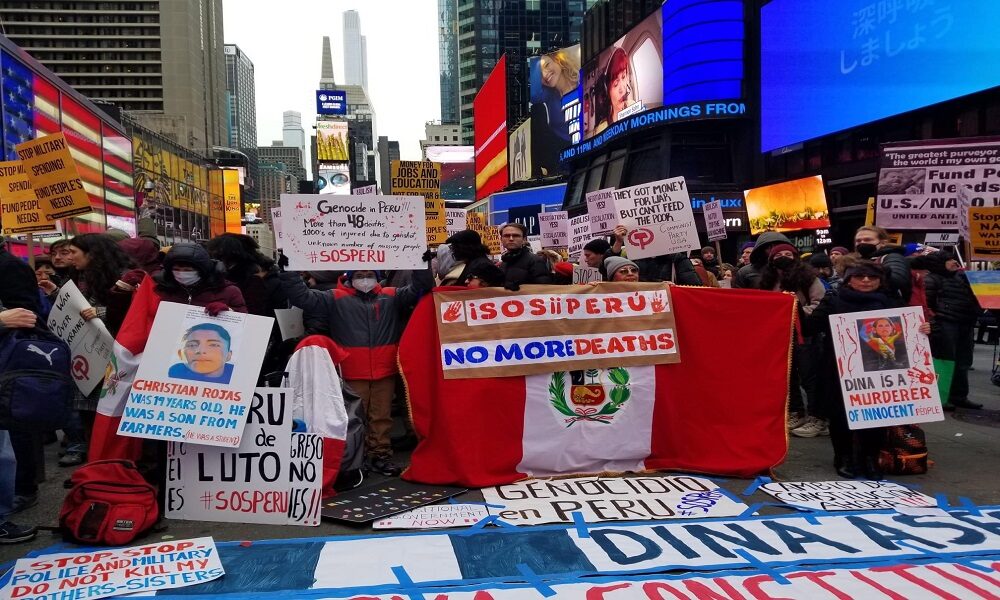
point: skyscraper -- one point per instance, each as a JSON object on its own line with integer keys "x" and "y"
{"x": 162, "y": 61}
{"x": 292, "y": 134}
{"x": 448, "y": 59}
{"x": 242, "y": 123}
{"x": 355, "y": 51}
{"x": 326, "y": 79}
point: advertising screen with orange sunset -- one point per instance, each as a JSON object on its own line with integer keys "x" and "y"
{"x": 788, "y": 206}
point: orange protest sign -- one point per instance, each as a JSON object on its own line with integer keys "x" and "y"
{"x": 54, "y": 177}
{"x": 20, "y": 210}
{"x": 231, "y": 191}
{"x": 490, "y": 235}
{"x": 984, "y": 232}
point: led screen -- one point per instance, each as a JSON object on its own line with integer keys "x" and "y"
{"x": 489, "y": 116}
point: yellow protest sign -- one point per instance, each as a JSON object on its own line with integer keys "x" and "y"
{"x": 54, "y": 177}
{"x": 490, "y": 235}
{"x": 437, "y": 223}
{"x": 231, "y": 191}
{"x": 870, "y": 213}
{"x": 984, "y": 232}
{"x": 19, "y": 208}
{"x": 415, "y": 178}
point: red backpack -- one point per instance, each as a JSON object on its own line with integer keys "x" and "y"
{"x": 109, "y": 503}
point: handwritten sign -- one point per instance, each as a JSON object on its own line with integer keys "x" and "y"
{"x": 582, "y": 274}
{"x": 54, "y": 177}
{"x": 275, "y": 476}
{"x": 20, "y": 210}
{"x": 659, "y": 218}
{"x": 89, "y": 342}
{"x": 489, "y": 234}
{"x": 365, "y": 190}
{"x": 886, "y": 372}
{"x": 335, "y": 233}
{"x": 435, "y": 516}
{"x": 454, "y": 220}
{"x": 579, "y": 235}
{"x": 437, "y": 221}
{"x": 847, "y": 495}
{"x": 116, "y": 571}
{"x": 601, "y": 210}
{"x": 715, "y": 222}
{"x": 196, "y": 376}
{"x": 984, "y": 232}
{"x": 277, "y": 224}
{"x": 554, "y": 227}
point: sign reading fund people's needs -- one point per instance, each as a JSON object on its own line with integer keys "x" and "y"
{"x": 54, "y": 177}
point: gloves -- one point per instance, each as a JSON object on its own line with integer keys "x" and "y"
{"x": 512, "y": 286}
{"x": 213, "y": 309}
{"x": 428, "y": 256}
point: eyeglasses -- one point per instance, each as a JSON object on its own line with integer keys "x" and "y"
{"x": 628, "y": 270}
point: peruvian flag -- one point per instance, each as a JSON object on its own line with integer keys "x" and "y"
{"x": 105, "y": 442}
{"x": 721, "y": 410}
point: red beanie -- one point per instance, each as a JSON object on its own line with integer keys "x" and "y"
{"x": 563, "y": 268}
{"x": 775, "y": 249}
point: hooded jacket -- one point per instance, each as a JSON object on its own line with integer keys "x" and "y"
{"x": 522, "y": 267}
{"x": 367, "y": 325}
{"x": 949, "y": 294}
{"x": 212, "y": 288}
{"x": 749, "y": 275}
{"x": 897, "y": 271}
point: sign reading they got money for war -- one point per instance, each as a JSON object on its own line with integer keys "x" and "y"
{"x": 493, "y": 332}
{"x": 658, "y": 217}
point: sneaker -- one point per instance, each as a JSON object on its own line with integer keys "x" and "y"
{"x": 72, "y": 459}
{"x": 12, "y": 533}
{"x": 811, "y": 428}
{"x": 796, "y": 420}
{"x": 23, "y": 503}
{"x": 384, "y": 466}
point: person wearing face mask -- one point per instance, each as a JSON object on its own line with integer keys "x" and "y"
{"x": 749, "y": 275}
{"x": 190, "y": 276}
{"x": 872, "y": 243}
{"x": 366, "y": 320}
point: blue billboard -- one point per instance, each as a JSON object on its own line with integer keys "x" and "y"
{"x": 331, "y": 102}
{"x": 829, "y": 66}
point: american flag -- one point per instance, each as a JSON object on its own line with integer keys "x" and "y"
{"x": 30, "y": 105}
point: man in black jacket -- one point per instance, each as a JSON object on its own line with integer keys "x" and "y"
{"x": 518, "y": 263}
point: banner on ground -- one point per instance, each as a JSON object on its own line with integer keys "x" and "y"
{"x": 601, "y": 210}
{"x": 275, "y": 476}
{"x": 196, "y": 377}
{"x": 435, "y": 516}
{"x": 579, "y": 236}
{"x": 919, "y": 182}
{"x": 984, "y": 232}
{"x": 337, "y": 233}
{"x": 20, "y": 210}
{"x": 489, "y": 234}
{"x": 554, "y": 228}
{"x": 986, "y": 287}
{"x": 494, "y": 332}
{"x": 658, "y": 217}
{"x": 115, "y": 571}
{"x": 597, "y": 499}
{"x": 454, "y": 220}
{"x": 90, "y": 343}
{"x": 715, "y": 221}
{"x": 847, "y": 495}
{"x": 885, "y": 368}
{"x": 54, "y": 177}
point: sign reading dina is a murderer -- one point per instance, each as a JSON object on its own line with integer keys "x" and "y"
{"x": 494, "y": 332}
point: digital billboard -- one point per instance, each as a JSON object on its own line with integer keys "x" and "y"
{"x": 458, "y": 171}
{"x": 334, "y": 179}
{"x": 829, "y": 66}
{"x": 520, "y": 152}
{"x": 331, "y": 141}
{"x": 554, "y": 81}
{"x": 489, "y": 114}
{"x": 788, "y": 206}
{"x": 702, "y": 51}
{"x": 331, "y": 102}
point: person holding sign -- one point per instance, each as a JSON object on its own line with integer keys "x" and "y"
{"x": 190, "y": 276}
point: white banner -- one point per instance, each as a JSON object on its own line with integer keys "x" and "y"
{"x": 847, "y": 495}
{"x": 885, "y": 368}
{"x": 554, "y": 227}
{"x": 715, "y": 222}
{"x": 335, "y": 233}
{"x": 659, "y": 218}
{"x": 435, "y": 516}
{"x": 579, "y": 235}
{"x": 601, "y": 211}
{"x": 90, "y": 343}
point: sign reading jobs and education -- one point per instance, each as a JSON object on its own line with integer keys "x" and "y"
{"x": 196, "y": 377}
{"x": 984, "y": 232}
{"x": 20, "y": 210}
{"x": 846, "y": 495}
{"x": 494, "y": 332}
{"x": 54, "y": 178}
{"x": 90, "y": 342}
{"x": 336, "y": 233}
{"x": 275, "y": 476}
{"x": 416, "y": 178}
{"x": 919, "y": 183}
{"x": 658, "y": 217}
{"x": 886, "y": 373}
{"x": 115, "y": 571}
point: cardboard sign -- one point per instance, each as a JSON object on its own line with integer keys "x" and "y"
{"x": 715, "y": 222}
{"x": 579, "y": 235}
{"x": 290, "y": 323}
{"x": 437, "y": 222}
{"x": 984, "y": 232}
{"x": 20, "y": 210}
{"x": 554, "y": 227}
{"x": 415, "y": 178}
{"x": 583, "y": 274}
{"x": 378, "y": 500}
{"x": 454, "y": 220}
{"x": 338, "y": 233}
{"x": 886, "y": 373}
{"x": 276, "y": 225}
{"x": 116, "y": 571}
{"x": 601, "y": 211}
{"x": 598, "y": 499}
{"x": 986, "y": 287}
{"x": 365, "y": 190}
{"x": 846, "y": 495}
{"x": 941, "y": 239}
{"x": 489, "y": 234}
{"x": 54, "y": 177}
{"x": 275, "y": 476}
{"x": 197, "y": 376}
{"x": 659, "y": 218}
{"x": 89, "y": 342}
{"x": 493, "y": 332}
{"x": 435, "y": 516}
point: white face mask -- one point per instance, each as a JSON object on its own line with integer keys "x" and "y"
{"x": 186, "y": 277}
{"x": 364, "y": 284}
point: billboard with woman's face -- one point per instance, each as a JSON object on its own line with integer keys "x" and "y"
{"x": 626, "y": 78}
{"x": 555, "y": 107}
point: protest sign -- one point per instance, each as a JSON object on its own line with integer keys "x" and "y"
{"x": 941, "y": 239}
{"x": 489, "y": 234}
{"x": 275, "y": 476}
{"x": 846, "y": 495}
{"x": 493, "y": 332}
{"x": 115, "y": 571}
{"x": 334, "y": 233}
{"x": 715, "y": 222}
{"x": 437, "y": 222}
{"x": 276, "y": 224}
{"x": 435, "y": 516}
{"x": 788, "y": 206}
{"x": 554, "y": 227}
{"x": 454, "y": 220}
{"x": 365, "y": 190}
{"x": 986, "y": 287}
{"x": 984, "y": 232}
{"x": 197, "y": 376}
{"x": 885, "y": 368}
{"x": 20, "y": 210}
{"x": 54, "y": 178}
{"x": 597, "y": 499}
{"x": 919, "y": 183}
{"x": 374, "y": 501}
{"x": 90, "y": 343}
{"x": 659, "y": 218}
{"x": 290, "y": 323}
{"x": 415, "y": 178}
{"x": 583, "y": 274}
{"x": 579, "y": 235}
{"x": 601, "y": 211}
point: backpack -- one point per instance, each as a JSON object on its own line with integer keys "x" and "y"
{"x": 918, "y": 292}
{"x": 36, "y": 390}
{"x": 904, "y": 451}
{"x": 109, "y": 503}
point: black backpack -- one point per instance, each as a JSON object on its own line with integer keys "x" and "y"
{"x": 36, "y": 390}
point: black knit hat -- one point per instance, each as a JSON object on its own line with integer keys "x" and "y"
{"x": 864, "y": 267}
{"x": 598, "y": 246}
{"x": 466, "y": 237}
{"x": 820, "y": 261}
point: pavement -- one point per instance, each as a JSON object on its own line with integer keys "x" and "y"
{"x": 964, "y": 449}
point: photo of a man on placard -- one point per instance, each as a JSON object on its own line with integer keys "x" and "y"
{"x": 205, "y": 352}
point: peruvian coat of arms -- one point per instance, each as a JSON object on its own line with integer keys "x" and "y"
{"x": 594, "y": 395}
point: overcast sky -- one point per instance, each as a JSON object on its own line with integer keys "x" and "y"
{"x": 284, "y": 39}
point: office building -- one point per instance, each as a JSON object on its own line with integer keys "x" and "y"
{"x": 242, "y": 109}
{"x": 448, "y": 59}
{"x": 161, "y": 61}
{"x": 437, "y": 133}
{"x": 355, "y": 51}
{"x": 292, "y": 133}
{"x": 388, "y": 151}
{"x": 326, "y": 78}
{"x": 289, "y": 156}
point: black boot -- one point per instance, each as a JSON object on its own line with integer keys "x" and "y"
{"x": 966, "y": 403}
{"x": 873, "y": 470}
{"x": 845, "y": 467}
